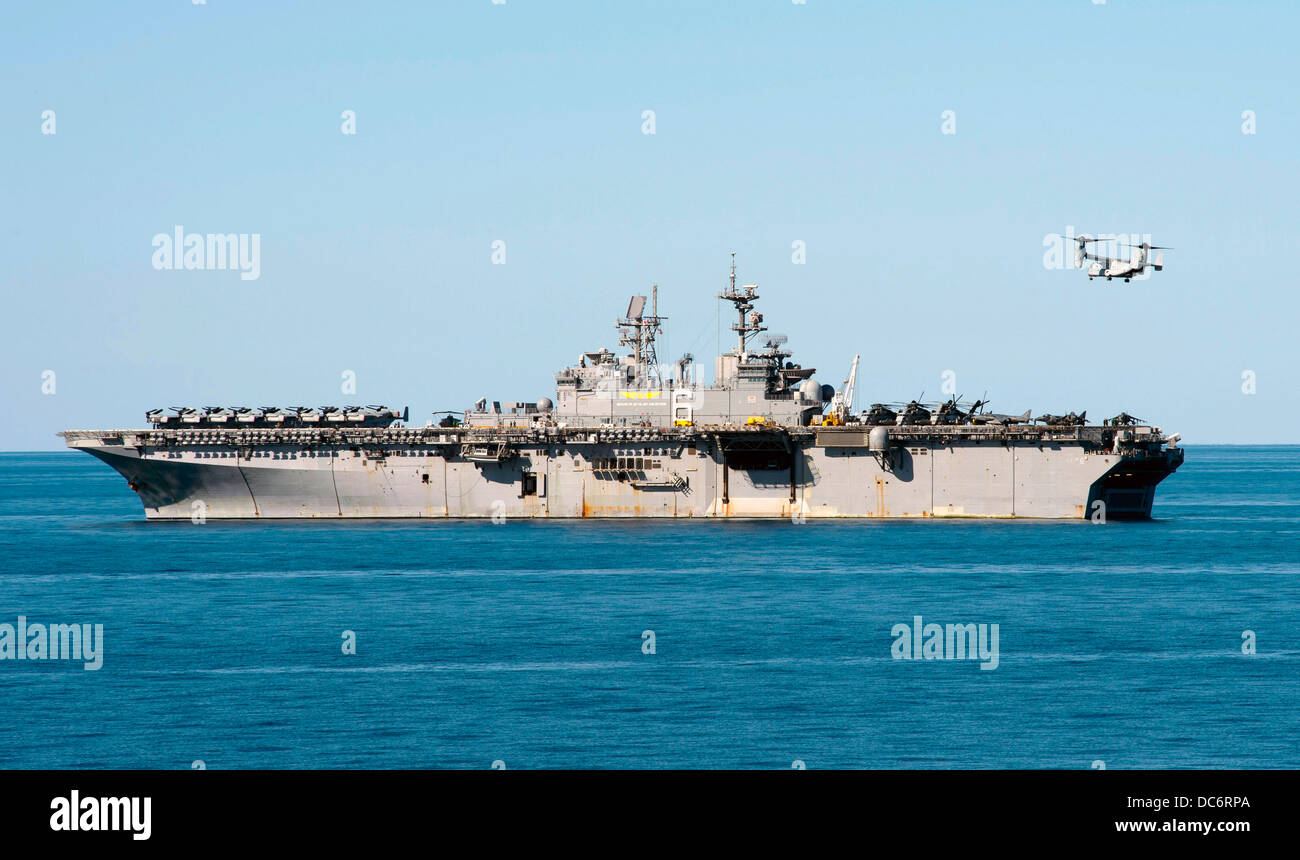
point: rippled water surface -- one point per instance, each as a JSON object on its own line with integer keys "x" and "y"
{"x": 523, "y": 642}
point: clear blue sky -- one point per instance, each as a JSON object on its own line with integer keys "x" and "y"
{"x": 775, "y": 122}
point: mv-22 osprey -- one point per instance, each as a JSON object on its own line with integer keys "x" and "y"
{"x": 1107, "y": 267}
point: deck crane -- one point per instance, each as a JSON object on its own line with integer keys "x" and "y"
{"x": 837, "y": 412}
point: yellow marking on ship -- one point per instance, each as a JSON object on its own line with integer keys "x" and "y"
{"x": 641, "y": 395}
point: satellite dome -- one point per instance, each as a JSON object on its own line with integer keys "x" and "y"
{"x": 544, "y": 405}
{"x": 810, "y": 389}
{"x": 828, "y": 391}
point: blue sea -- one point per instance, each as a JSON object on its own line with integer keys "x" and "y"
{"x": 523, "y": 644}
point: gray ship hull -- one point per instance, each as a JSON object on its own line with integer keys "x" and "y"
{"x": 761, "y": 473}
{"x": 626, "y": 437}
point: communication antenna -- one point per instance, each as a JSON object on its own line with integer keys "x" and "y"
{"x": 637, "y": 331}
{"x": 743, "y": 301}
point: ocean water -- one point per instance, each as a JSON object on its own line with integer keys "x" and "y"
{"x": 522, "y": 643}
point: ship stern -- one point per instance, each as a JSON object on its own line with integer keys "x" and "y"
{"x": 1128, "y": 490}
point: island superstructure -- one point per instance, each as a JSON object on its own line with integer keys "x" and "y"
{"x": 628, "y": 437}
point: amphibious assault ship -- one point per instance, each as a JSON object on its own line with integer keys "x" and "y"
{"x": 628, "y": 437}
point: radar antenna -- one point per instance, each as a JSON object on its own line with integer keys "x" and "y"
{"x": 637, "y": 331}
{"x": 743, "y": 300}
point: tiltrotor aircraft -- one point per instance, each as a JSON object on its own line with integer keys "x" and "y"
{"x": 1101, "y": 266}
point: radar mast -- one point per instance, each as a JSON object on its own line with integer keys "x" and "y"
{"x": 637, "y": 331}
{"x": 743, "y": 300}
